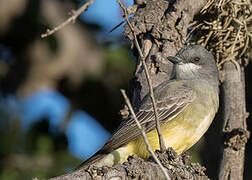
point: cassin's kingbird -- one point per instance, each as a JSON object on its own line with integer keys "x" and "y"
{"x": 186, "y": 106}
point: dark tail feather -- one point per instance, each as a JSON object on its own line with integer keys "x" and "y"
{"x": 92, "y": 160}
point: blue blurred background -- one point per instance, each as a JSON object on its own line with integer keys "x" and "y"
{"x": 59, "y": 96}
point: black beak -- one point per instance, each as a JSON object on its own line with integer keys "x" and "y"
{"x": 174, "y": 59}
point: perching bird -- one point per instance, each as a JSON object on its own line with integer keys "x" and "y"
{"x": 186, "y": 106}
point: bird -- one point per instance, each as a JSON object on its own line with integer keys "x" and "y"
{"x": 186, "y": 105}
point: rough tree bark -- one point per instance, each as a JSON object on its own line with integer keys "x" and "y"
{"x": 136, "y": 168}
{"x": 234, "y": 123}
{"x": 161, "y": 28}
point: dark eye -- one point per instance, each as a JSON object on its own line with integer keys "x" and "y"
{"x": 196, "y": 59}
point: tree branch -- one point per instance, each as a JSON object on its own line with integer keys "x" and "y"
{"x": 137, "y": 168}
{"x": 71, "y": 19}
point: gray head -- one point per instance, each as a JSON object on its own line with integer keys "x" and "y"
{"x": 195, "y": 62}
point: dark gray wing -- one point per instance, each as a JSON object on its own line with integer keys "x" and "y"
{"x": 171, "y": 98}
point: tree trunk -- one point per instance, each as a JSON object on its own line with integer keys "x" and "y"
{"x": 234, "y": 128}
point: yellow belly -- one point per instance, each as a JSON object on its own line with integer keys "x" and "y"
{"x": 180, "y": 133}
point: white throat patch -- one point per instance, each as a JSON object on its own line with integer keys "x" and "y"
{"x": 188, "y": 67}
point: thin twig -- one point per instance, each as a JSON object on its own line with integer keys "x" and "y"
{"x": 161, "y": 141}
{"x": 117, "y": 26}
{"x": 144, "y": 134}
{"x": 75, "y": 15}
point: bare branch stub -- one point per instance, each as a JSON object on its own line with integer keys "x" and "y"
{"x": 71, "y": 19}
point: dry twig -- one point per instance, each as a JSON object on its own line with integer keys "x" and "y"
{"x": 161, "y": 141}
{"x": 144, "y": 135}
{"x": 71, "y": 19}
